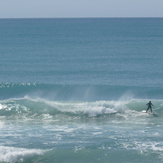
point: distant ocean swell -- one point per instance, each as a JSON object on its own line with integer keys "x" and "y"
{"x": 77, "y": 92}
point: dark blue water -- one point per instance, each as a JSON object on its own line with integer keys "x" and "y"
{"x": 72, "y": 90}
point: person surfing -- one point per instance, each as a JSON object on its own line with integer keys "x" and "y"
{"x": 149, "y": 104}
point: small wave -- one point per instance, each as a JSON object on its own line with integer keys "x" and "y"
{"x": 13, "y": 155}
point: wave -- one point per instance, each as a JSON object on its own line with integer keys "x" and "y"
{"x": 45, "y": 110}
{"x": 50, "y": 102}
{"x": 77, "y": 92}
{"x": 13, "y": 155}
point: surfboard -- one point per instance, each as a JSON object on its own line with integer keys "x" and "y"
{"x": 144, "y": 111}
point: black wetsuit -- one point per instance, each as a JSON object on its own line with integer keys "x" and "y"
{"x": 149, "y": 106}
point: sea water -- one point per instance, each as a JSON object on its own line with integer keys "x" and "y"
{"x": 73, "y": 90}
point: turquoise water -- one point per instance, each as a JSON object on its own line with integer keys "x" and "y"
{"x": 73, "y": 90}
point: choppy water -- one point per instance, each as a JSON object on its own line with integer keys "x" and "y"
{"x": 73, "y": 90}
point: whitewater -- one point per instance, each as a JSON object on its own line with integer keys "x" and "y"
{"x": 73, "y": 90}
{"x": 36, "y": 130}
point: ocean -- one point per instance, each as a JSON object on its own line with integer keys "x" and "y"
{"x": 73, "y": 90}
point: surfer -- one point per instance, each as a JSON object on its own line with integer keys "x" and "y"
{"x": 149, "y": 104}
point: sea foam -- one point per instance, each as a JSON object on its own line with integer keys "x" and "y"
{"x": 13, "y": 155}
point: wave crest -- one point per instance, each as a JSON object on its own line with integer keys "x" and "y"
{"x": 44, "y": 110}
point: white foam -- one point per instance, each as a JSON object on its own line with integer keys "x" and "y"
{"x": 2, "y": 106}
{"x": 97, "y": 133}
{"x": 12, "y": 155}
{"x": 98, "y": 110}
{"x": 143, "y": 146}
{"x": 100, "y": 107}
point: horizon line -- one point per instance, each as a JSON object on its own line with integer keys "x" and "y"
{"x": 77, "y": 17}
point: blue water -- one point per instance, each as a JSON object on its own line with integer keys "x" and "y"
{"x": 73, "y": 90}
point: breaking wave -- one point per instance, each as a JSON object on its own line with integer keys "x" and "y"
{"x": 13, "y": 155}
{"x": 45, "y": 102}
{"x": 41, "y": 109}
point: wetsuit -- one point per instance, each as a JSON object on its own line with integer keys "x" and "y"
{"x": 149, "y": 106}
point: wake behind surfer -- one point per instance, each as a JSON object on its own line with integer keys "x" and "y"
{"x": 149, "y": 104}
